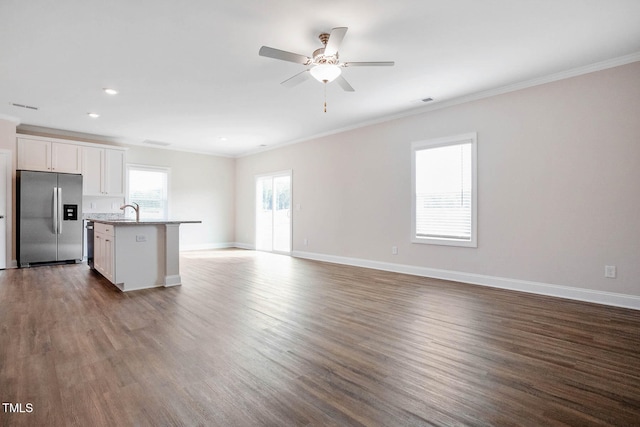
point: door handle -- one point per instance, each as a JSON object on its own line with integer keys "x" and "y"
{"x": 55, "y": 210}
{"x": 60, "y": 210}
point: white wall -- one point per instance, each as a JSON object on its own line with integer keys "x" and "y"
{"x": 8, "y": 142}
{"x": 202, "y": 188}
{"x": 558, "y": 170}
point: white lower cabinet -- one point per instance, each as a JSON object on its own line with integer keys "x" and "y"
{"x": 103, "y": 250}
{"x": 134, "y": 255}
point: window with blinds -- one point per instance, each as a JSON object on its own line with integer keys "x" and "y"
{"x": 444, "y": 196}
{"x": 148, "y": 186}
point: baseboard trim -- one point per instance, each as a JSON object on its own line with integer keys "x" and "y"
{"x": 567, "y": 292}
{"x": 207, "y": 246}
{"x": 244, "y": 246}
{"x": 212, "y": 246}
{"x": 172, "y": 280}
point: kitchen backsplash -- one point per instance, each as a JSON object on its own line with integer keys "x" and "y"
{"x": 102, "y": 207}
{"x": 102, "y": 204}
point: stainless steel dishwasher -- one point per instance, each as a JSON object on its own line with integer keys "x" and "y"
{"x": 89, "y": 231}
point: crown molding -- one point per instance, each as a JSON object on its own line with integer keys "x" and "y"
{"x": 562, "y": 75}
{"x": 437, "y": 105}
{"x": 10, "y": 119}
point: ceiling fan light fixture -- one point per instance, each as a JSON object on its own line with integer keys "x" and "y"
{"x": 325, "y": 73}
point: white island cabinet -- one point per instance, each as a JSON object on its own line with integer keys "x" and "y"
{"x": 138, "y": 255}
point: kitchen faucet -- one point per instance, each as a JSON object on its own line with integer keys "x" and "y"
{"x": 135, "y": 208}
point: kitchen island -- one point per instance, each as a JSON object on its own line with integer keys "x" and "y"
{"x": 138, "y": 254}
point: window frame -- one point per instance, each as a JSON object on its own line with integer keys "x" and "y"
{"x": 150, "y": 168}
{"x": 417, "y": 146}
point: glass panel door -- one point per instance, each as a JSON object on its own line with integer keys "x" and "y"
{"x": 264, "y": 213}
{"x": 273, "y": 213}
{"x": 282, "y": 213}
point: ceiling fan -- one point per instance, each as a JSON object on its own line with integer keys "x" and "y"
{"x": 324, "y": 64}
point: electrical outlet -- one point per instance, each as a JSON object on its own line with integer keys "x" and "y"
{"x": 141, "y": 238}
{"x": 305, "y": 242}
{"x": 394, "y": 250}
{"x": 610, "y": 271}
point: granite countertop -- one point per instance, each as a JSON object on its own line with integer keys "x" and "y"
{"x": 142, "y": 221}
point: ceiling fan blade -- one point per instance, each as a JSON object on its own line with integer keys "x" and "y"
{"x": 369, "y": 64}
{"x": 344, "y": 84}
{"x": 335, "y": 40}
{"x": 297, "y": 79}
{"x": 270, "y": 52}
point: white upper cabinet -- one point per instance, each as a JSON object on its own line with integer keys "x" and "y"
{"x": 49, "y": 156}
{"x": 114, "y": 172}
{"x": 103, "y": 172}
{"x": 92, "y": 171}
{"x": 34, "y": 154}
{"x": 101, "y": 166}
{"x": 66, "y": 158}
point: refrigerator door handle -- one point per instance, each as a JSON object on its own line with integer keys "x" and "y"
{"x": 55, "y": 210}
{"x": 60, "y": 210}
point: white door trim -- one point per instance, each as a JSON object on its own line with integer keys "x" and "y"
{"x": 8, "y": 160}
{"x": 281, "y": 173}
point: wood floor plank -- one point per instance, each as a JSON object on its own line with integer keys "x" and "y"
{"x": 254, "y": 339}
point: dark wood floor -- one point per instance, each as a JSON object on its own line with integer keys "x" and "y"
{"x": 254, "y": 339}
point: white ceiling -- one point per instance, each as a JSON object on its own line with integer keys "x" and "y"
{"x": 189, "y": 73}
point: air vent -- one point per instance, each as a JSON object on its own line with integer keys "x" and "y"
{"x": 427, "y": 99}
{"x": 29, "y": 107}
{"x": 159, "y": 143}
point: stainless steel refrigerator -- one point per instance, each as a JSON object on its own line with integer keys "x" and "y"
{"x": 49, "y": 209}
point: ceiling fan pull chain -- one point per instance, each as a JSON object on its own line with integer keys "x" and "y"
{"x": 325, "y": 96}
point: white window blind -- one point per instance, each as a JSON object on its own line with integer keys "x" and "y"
{"x": 444, "y": 196}
{"x": 148, "y": 186}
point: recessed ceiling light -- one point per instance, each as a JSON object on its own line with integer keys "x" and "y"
{"x": 110, "y": 91}
{"x": 94, "y": 115}
{"x": 222, "y": 139}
